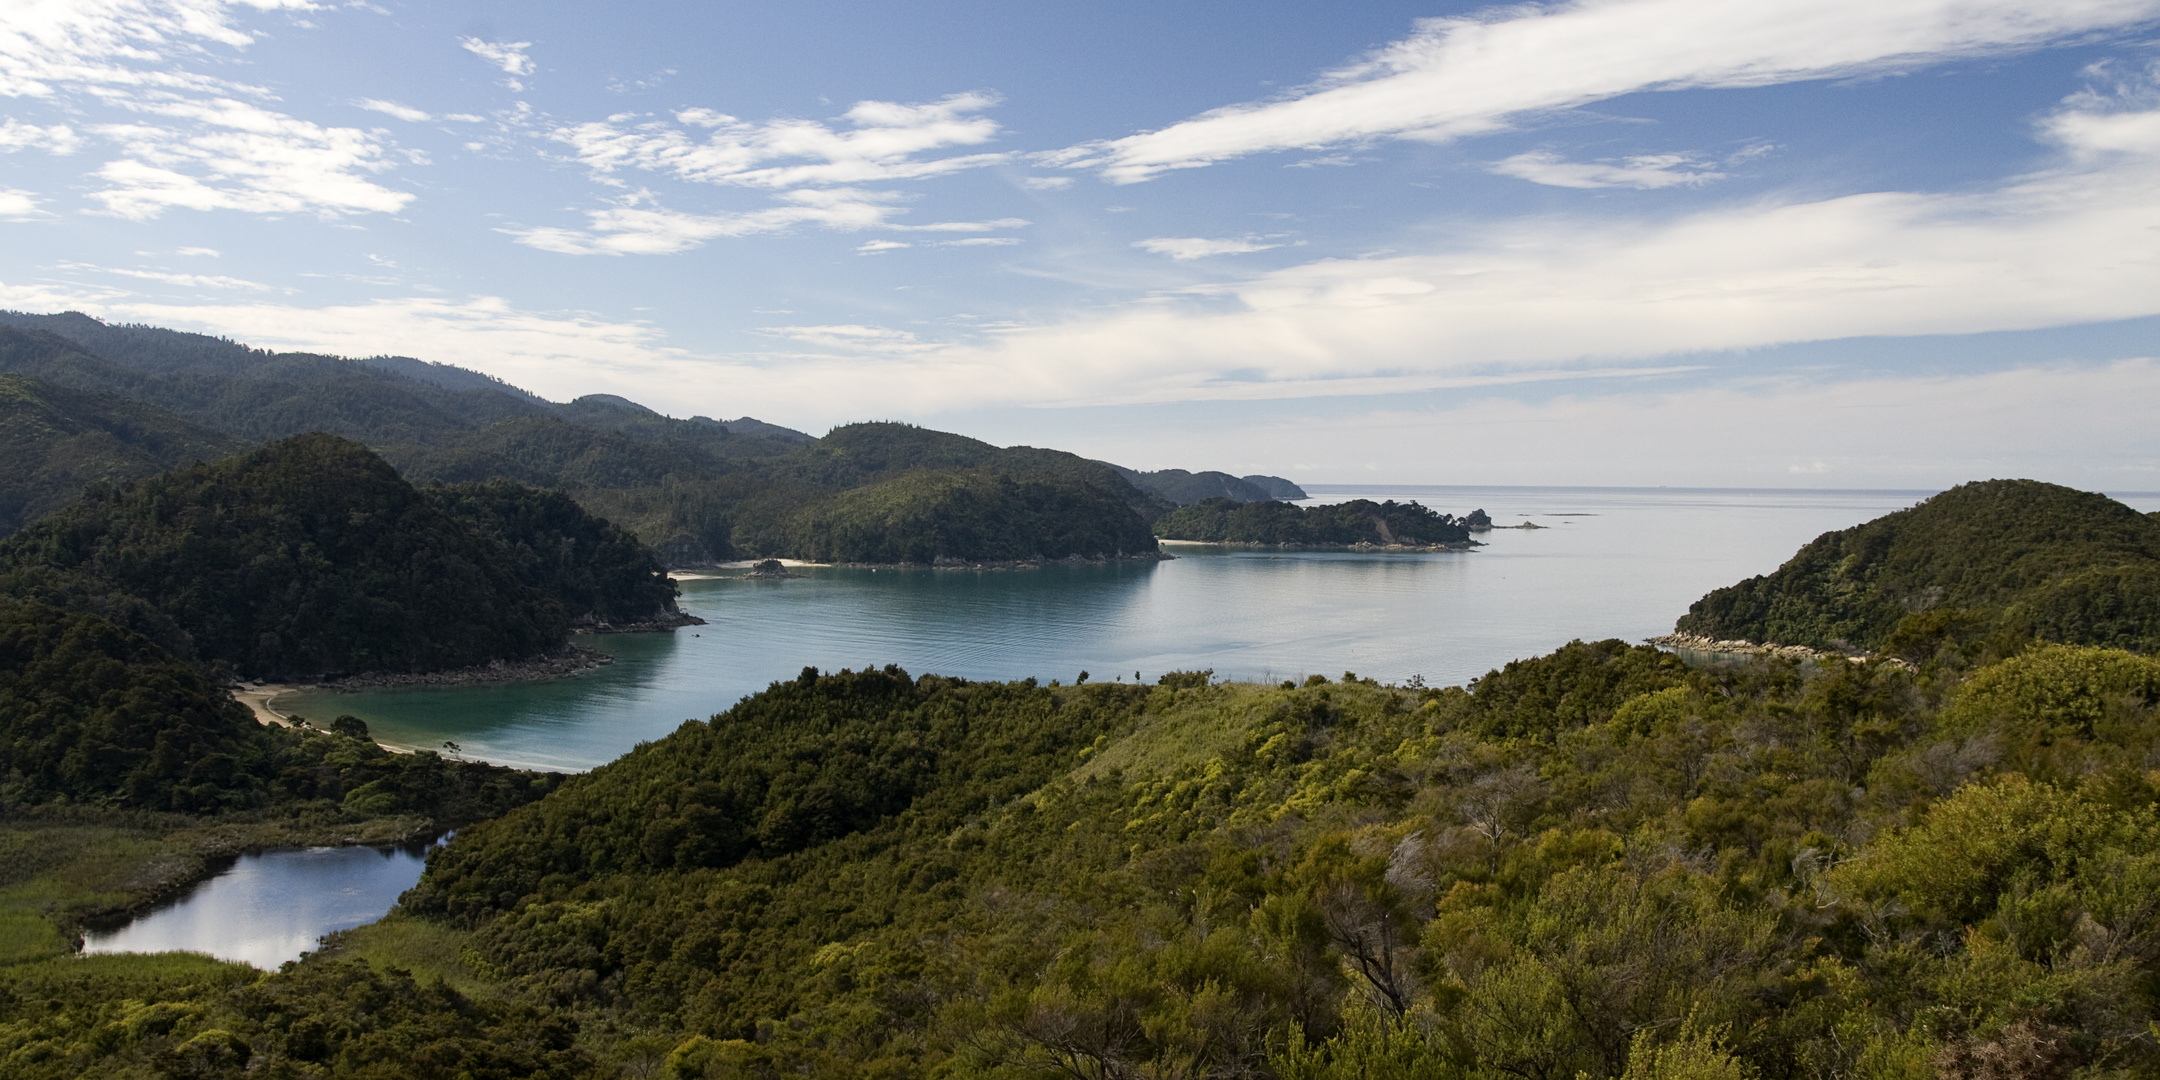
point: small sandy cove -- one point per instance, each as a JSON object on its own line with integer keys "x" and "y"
{"x": 257, "y": 696}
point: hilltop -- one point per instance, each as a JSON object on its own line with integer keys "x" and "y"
{"x": 311, "y": 557}
{"x": 696, "y": 491}
{"x": 1991, "y": 557}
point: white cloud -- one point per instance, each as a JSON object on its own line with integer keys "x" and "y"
{"x": 212, "y": 252}
{"x": 195, "y": 141}
{"x": 237, "y": 156}
{"x": 980, "y": 241}
{"x": 966, "y": 226}
{"x": 881, "y": 144}
{"x": 57, "y": 139}
{"x": 1046, "y": 183}
{"x": 1194, "y": 247}
{"x": 192, "y": 281}
{"x": 850, "y": 336}
{"x": 1642, "y": 172}
{"x": 1468, "y": 75}
{"x": 16, "y": 205}
{"x": 509, "y": 56}
{"x": 393, "y": 109}
{"x": 875, "y": 246}
{"x": 638, "y": 226}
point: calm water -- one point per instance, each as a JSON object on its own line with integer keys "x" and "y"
{"x": 270, "y": 908}
{"x": 1610, "y": 563}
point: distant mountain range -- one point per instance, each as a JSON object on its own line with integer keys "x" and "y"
{"x": 90, "y": 401}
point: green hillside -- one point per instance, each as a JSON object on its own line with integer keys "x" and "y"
{"x": 312, "y": 557}
{"x": 2014, "y": 556}
{"x": 975, "y": 515}
{"x": 1359, "y": 521}
{"x": 58, "y": 440}
{"x": 696, "y": 490}
{"x": 1596, "y": 863}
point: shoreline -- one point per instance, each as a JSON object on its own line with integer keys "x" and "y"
{"x": 1362, "y": 546}
{"x": 942, "y": 563}
{"x": 1698, "y": 643}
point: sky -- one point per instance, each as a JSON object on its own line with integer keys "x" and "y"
{"x": 1780, "y": 243}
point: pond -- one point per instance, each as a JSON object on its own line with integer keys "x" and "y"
{"x": 269, "y": 908}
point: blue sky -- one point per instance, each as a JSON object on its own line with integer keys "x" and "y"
{"x": 1829, "y": 243}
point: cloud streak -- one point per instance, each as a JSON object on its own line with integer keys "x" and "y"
{"x": 1463, "y": 76}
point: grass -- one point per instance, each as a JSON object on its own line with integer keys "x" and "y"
{"x": 426, "y": 949}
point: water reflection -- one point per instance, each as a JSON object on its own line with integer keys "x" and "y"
{"x": 269, "y": 908}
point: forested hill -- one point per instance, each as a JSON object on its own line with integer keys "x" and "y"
{"x": 311, "y": 557}
{"x": 1997, "y": 556}
{"x": 695, "y": 490}
{"x": 1358, "y": 521}
{"x": 57, "y": 440}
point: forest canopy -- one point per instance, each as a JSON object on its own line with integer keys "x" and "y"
{"x": 1358, "y": 521}
{"x": 1994, "y": 556}
{"x": 311, "y": 557}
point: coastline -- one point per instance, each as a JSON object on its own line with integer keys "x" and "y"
{"x": 942, "y": 563}
{"x": 1362, "y": 546}
{"x": 1698, "y": 643}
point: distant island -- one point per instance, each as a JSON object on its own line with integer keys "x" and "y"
{"x": 1356, "y": 523}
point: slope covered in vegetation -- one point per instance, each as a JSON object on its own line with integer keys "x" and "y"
{"x": 1595, "y": 863}
{"x": 1996, "y": 556}
{"x": 58, "y": 440}
{"x": 311, "y": 557}
{"x": 1358, "y": 521}
{"x": 695, "y": 490}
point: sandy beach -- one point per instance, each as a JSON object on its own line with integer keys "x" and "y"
{"x": 257, "y": 697}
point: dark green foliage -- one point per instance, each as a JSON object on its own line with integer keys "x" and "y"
{"x": 192, "y": 1017}
{"x": 250, "y": 393}
{"x": 936, "y": 517}
{"x": 1185, "y": 488}
{"x": 58, "y": 440}
{"x": 309, "y": 557}
{"x": 594, "y": 570}
{"x": 1359, "y": 521}
{"x": 2021, "y": 555}
{"x": 94, "y": 714}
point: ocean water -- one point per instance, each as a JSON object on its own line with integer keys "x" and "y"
{"x": 1618, "y": 563}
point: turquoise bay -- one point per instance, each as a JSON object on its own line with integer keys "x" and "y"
{"x": 1609, "y": 563}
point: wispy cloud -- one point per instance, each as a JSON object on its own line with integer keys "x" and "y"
{"x": 1046, "y": 183}
{"x": 1194, "y": 247}
{"x": 637, "y": 225}
{"x": 1466, "y": 75}
{"x": 874, "y": 247}
{"x": 393, "y": 109}
{"x": 232, "y": 155}
{"x": 193, "y": 140}
{"x": 1643, "y": 172}
{"x": 850, "y": 336}
{"x": 192, "y": 281}
{"x": 980, "y": 241}
{"x": 508, "y": 56}
{"x": 881, "y": 142}
{"x": 57, "y": 138}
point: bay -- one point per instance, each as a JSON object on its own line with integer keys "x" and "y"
{"x": 1609, "y": 562}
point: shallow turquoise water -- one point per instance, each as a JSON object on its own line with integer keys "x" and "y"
{"x": 1610, "y": 563}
